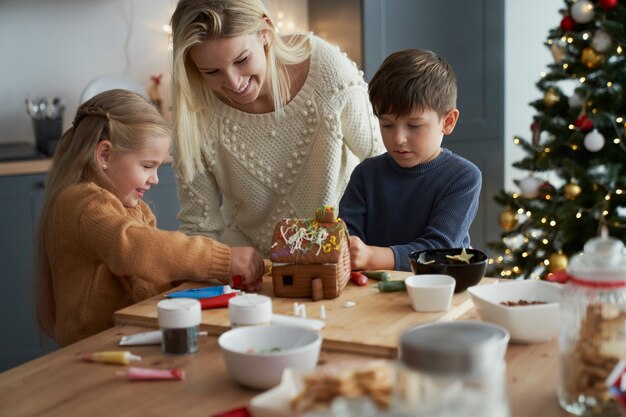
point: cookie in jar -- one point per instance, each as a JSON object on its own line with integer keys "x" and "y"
{"x": 592, "y": 337}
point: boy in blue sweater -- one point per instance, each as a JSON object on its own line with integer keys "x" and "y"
{"x": 417, "y": 195}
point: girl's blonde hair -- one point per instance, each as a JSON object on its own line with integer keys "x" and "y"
{"x": 197, "y": 21}
{"x": 124, "y": 118}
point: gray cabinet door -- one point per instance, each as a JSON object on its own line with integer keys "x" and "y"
{"x": 20, "y": 204}
{"x": 470, "y": 36}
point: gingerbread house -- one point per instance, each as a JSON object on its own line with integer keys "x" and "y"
{"x": 310, "y": 256}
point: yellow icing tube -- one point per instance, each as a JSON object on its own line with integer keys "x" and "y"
{"x": 117, "y": 357}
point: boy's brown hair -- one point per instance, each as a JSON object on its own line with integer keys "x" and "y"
{"x": 413, "y": 79}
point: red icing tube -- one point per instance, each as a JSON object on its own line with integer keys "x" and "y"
{"x": 358, "y": 278}
{"x": 218, "y": 301}
{"x": 145, "y": 374}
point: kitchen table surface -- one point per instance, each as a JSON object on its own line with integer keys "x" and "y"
{"x": 60, "y": 384}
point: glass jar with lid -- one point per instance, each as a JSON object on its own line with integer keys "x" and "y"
{"x": 592, "y": 337}
{"x": 452, "y": 369}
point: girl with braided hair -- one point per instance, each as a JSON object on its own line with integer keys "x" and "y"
{"x": 99, "y": 248}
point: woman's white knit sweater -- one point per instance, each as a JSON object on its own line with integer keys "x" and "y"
{"x": 260, "y": 168}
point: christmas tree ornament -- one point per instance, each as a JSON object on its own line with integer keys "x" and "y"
{"x": 557, "y": 262}
{"x": 594, "y": 141}
{"x": 601, "y": 41}
{"x": 571, "y": 191}
{"x": 546, "y": 190}
{"x": 551, "y": 97}
{"x": 608, "y": 4}
{"x": 534, "y": 128}
{"x": 567, "y": 23}
{"x": 583, "y": 123}
{"x": 529, "y": 186}
{"x": 576, "y": 101}
{"x": 558, "y": 51}
{"x": 507, "y": 219}
{"x": 590, "y": 58}
{"x": 582, "y": 11}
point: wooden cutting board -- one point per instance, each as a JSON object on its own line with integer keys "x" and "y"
{"x": 372, "y": 326}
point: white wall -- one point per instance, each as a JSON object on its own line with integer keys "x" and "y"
{"x": 55, "y": 48}
{"x": 527, "y": 24}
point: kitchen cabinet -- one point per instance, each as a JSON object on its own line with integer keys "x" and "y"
{"x": 20, "y": 204}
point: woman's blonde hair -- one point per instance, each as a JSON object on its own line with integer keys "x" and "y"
{"x": 196, "y": 21}
{"x": 124, "y": 118}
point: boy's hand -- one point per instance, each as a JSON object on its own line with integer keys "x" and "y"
{"x": 247, "y": 263}
{"x": 364, "y": 257}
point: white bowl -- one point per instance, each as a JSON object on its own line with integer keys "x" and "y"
{"x": 430, "y": 292}
{"x": 296, "y": 347}
{"x": 528, "y": 323}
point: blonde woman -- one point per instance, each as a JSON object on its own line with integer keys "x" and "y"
{"x": 265, "y": 127}
{"x": 99, "y": 248}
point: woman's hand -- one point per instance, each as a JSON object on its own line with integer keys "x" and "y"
{"x": 248, "y": 264}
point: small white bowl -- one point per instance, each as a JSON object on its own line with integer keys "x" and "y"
{"x": 430, "y": 292}
{"x": 256, "y": 356}
{"x": 527, "y": 323}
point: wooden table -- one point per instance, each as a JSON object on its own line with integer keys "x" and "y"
{"x": 60, "y": 384}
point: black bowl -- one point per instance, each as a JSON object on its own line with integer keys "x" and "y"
{"x": 465, "y": 274}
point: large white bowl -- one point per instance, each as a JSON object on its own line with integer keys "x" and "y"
{"x": 527, "y": 324}
{"x": 296, "y": 347}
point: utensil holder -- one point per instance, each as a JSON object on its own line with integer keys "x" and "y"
{"x": 47, "y": 134}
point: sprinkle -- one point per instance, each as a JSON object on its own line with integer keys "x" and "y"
{"x": 296, "y": 309}
{"x": 302, "y": 311}
{"x": 349, "y": 304}
{"x": 322, "y": 312}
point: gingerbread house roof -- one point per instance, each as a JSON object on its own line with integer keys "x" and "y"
{"x": 317, "y": 240}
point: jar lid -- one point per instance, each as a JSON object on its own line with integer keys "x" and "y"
{"x": 250, "y": 309}
{"x": 602, "y": 260}
{"x": 179, "y": 313}
{"x": 460, "y": 347}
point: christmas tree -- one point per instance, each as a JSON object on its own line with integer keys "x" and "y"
{"x": 576, "y": 155}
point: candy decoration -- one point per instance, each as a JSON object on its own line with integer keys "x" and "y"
{"x": 557, "y": 262}
{"x": 582, "y": 11}
{"x": 601, "y": 41}
{"x": 608, "y": 4}
{"x": 530, "y": 186}
{"x": 567, "y": 23}
{"x": 507, "y": 219}
{"x": 594, "y": 141}
{"x": 590, "y": 58}
{"x": 583, "y": 123}
{"x": 571, "y": 191}
{"x": 551, "y": 97}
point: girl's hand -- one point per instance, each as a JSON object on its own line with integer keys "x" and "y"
{"x": 247, "y": 263}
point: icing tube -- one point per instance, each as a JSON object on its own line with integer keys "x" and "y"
{"x": 150, "y": 338}
{"x": 205, "y": 292}
{"x": 115, "y": 357}
{"x": 145, "y": 374}
{"x": 216, "y": 302}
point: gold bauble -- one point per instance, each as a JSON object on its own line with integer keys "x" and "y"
{"x": 591, "y": 58}
{"x": 551, "y": 97}
{"x": 571, "y": 191}
{"x": 558, "y": 262}
{"x": 507, "y": 219}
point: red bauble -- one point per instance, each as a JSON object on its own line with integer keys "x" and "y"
{"x": 533, "y": 126}
{"x": 567, "y": 23}
{"x": 608, "y": 4}
{"x": 546, "y": 189}
{"x": 583, "y": 123}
